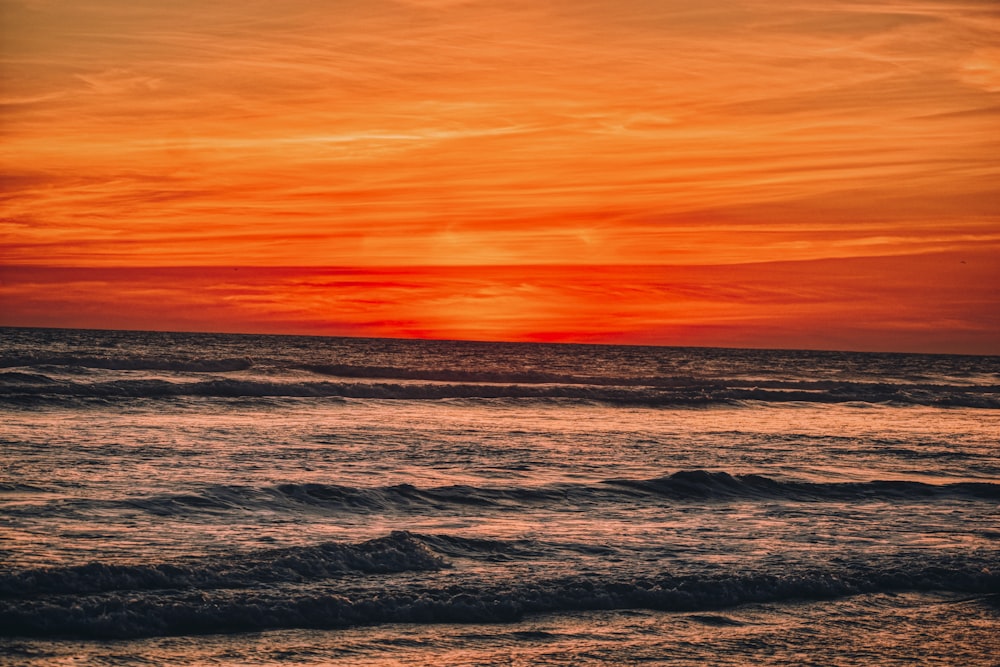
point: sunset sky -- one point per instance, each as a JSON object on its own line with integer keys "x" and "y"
{"x": 762, "y": 174}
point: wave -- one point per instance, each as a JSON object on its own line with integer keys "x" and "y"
{"x": 126, "y": 606}
{"x": 685, "y": 382}
{"x": 130, "y": 363}
{"x": 692, "y": 394}
{"x": 399, "y": 552}
{"x": 687, "y": 486}
{"x": 720, "y": 485}
{"x": 467, "y": 376}
{"x": 16, "y": 487}
{"x": 17, "y": 377}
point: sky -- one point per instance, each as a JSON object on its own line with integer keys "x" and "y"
{"x": 801, "y": 174}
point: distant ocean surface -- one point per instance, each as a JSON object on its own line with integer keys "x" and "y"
{"x": 172, "y": 498}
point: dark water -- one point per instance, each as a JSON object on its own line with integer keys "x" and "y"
{"x": 222, "y": 499}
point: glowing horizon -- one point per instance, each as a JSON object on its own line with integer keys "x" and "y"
{"x": 648, "y": 172}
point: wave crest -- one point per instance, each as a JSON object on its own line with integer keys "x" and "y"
{"x": 692, "y": 394}
{"x": 683, "y": 487}
{"x": 398, "y": 552}
{"x": 138, "y": 613}
{"x": 131, "y": 363}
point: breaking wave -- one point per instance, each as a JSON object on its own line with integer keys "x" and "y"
{"x": 215, "y": 597}
{"x": 399, "y": 552}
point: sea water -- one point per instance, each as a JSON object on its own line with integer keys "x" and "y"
{"x": 172, "y": 498}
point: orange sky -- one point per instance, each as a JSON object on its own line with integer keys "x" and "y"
{"x": 796, "y": 174}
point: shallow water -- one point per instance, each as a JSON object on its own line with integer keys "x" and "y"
{"x": 344, "y": 499}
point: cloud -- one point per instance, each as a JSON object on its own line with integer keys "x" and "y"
{"x": 117, "y": 81}
{"x": 383, "y": 133}
{"x": 861, "y": 303}
{"x": 982, "y": 69}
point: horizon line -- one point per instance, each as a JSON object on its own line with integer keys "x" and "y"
{"x": 499, "y": 342}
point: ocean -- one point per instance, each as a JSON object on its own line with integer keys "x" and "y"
{"x": 178, "y": 498}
